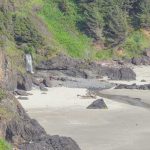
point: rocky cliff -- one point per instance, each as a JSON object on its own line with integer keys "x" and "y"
{"x": 25, "y": 133}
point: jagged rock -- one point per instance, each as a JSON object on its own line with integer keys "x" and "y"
{"x": 24, "y": 83}
{"x": 26, "y": 133}
{"x": 8, "y": 75}
{"x": 21, "y": 92}
{"x": 146, "y": 52}
{"x": 47, "y": 82}
{"x": 51, "y": 143}
{"x": 42, "y": 87}
{"x": 119, "y": 73}
{"x": 127, "y": 74}
{"x": 136, "y": 61}
{"x": 144, "y": 60}
{"x": 98, "y": 104}
{"x": 35, "y": 81}
{"x": 23, "y": 98}
{"x": 82, "y": 69}
{"x": 134, "y": 86}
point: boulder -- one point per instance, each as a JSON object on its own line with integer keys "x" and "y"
{"x": 35, "y": 81}
{"x": 24, "y": 82}
{"x": 98, "y": 104}
{"x": 47, "y": 82}
{"x": 42, "y": 87}
{"x": 127, "y": 74}
{"x": 134, "y": 86}
{"x": 136, "y": 61}
{"x": 21, "y": 93}
{"x": 23, "y": 98}
{"x": 51, "y": 143}
{"x": 146, "y": 52}
{"x": 144, "y": 60}
{"x": 119, "y": 73}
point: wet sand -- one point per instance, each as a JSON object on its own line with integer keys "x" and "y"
{"x": 122, "y": 127}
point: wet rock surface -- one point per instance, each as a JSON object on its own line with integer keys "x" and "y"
{"x": 137, "y": 102}
{"x": 134, "y": 86}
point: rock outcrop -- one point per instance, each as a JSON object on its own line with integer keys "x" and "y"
{"x": 98, "y": 104}
{"x": 144, "y": 60}
{"x": 24, "y": 82}
{"x": 25, "y": 133}
{"x": 62, "y": 64}
{"x": 134, "y": 86}
{"x": 8, "y": 75}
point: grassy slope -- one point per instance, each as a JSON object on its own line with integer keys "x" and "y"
{"x": 63, "y": 28}
{"x": 69, "y": 39}
{"x": 4, "y": 145}
{"x": 65, "y": 35}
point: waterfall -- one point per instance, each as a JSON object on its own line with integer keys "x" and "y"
{"x": 29, "y": 67}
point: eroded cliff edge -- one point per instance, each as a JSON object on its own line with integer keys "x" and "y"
{"x": 25, "y": 133}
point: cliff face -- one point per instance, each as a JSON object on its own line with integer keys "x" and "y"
{"x": 25, "y": 133}
{"x": 8, "y": 74}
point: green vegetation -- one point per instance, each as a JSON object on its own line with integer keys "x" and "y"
{"x": 4, "y": 145}
{"x": 104, "y": 54}
{"x": 2, "y": 94}
{"x": 62, "y": 24}
{"x": 47, "y": 27}
{"x": 136, "y": 43}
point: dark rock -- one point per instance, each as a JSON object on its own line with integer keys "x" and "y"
{"x": 143, "y": 80}
{"x": 76, "y": 73}
{"x": 24, "y": 83}
{"x": 21, "y": 92}
{"x": 125, "y": 86}
{"x": 47, "y": 82}
{"x": 112, "y": 73}
{"x": 23, "y": 98}
{"x": 63, "y": 143}
{"x": 27, "y": 129}
{"x": 98, "y": 104}
{"x": 51, "y": 143}
{"x": 8, "y": 75}
{"x": 35, "y": 81}
{"x": 42, "y": 87}
{"x": 26, "y": 133}
{"x": 144, "y": 60}
{"x": 127, "y": 74}
{"x": 82, "y": 69}
{"x": 119, "y": 73}
{"x": 136, "y": 61}
{"x": 146, "y": 52}
{"x": 134, "y": 86}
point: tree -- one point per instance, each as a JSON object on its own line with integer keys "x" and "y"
{"x": 144, "y": 16}
{"x": 116, "y": 25}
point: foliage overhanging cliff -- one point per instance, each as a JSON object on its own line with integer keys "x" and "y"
{"x": 89, "y": 29}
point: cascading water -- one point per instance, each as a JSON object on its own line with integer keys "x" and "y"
{"x": 29, "y": 67}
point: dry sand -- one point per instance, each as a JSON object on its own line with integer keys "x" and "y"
{"x": 122, "y": 127}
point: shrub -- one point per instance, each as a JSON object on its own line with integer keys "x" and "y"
{"x": 2, "y": 94}
{"x": 4, "y": 145}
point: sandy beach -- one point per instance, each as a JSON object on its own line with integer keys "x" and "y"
{"x": 122, "y": 126}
